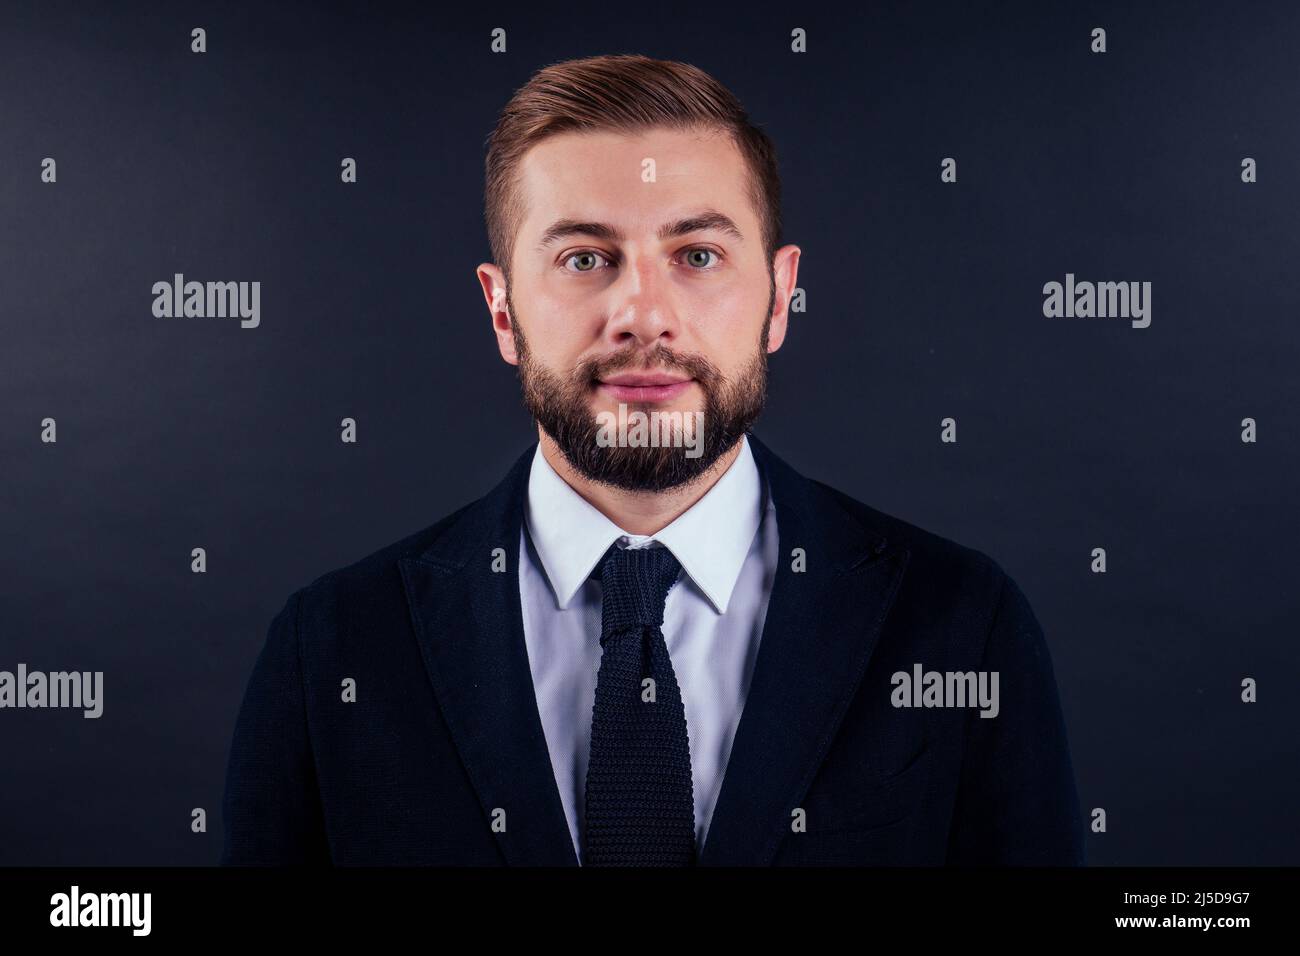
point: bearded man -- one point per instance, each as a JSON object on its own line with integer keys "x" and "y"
{"x": 635, "y": 653}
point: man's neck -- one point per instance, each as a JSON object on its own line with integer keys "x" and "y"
{"x": 637, "y": 512}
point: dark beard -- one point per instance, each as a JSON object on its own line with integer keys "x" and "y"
{"x": 560, "y": 407}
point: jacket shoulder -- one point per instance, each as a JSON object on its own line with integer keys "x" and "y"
{"x": 377, "y": 574}
{"x": 941, "y": 560}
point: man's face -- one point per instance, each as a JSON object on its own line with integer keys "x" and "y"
{"x": 639, "y": 278}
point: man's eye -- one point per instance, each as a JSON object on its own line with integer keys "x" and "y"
{"x": 586, "y": 261}
{"x": 699, "y": 258}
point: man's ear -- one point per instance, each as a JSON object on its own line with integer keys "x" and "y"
{"x": 493, "y": 281}
{"x": 785, "y": 273}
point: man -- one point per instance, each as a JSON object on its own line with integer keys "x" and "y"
{"x": 654, "y": 643}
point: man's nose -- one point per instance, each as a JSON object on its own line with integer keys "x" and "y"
{"x": 641, "y": 308}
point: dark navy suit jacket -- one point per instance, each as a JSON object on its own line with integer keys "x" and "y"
{"x": 444, "y": 735}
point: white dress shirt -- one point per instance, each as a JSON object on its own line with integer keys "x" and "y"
{"x": 713, "y": 618}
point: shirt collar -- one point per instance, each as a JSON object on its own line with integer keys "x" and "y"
{"x": 710, "y": 539}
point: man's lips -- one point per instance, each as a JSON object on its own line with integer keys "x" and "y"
{"x": 643, "y": 386}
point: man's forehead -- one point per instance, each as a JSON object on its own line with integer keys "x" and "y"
{"x": 639, "y": 181}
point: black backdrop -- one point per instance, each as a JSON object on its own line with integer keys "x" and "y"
{"x": 924, "y": 302}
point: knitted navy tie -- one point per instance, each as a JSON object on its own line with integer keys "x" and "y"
{"x": 640, "y": 809}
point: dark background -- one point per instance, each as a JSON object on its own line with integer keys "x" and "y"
{"x": 924, "y": 301}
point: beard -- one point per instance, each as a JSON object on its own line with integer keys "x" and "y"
{"x": 560, "y": 405}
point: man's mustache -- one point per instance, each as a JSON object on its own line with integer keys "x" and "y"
{"x": 660, "y": 359}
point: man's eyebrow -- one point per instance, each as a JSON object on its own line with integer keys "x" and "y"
{"x": 574, "y": 227}
{"x": 708, "y": 219}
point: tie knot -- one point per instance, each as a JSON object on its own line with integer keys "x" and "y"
{"x": 635, "y": 583}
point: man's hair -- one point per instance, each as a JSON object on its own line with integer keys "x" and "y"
{"x": 622, "y": 93}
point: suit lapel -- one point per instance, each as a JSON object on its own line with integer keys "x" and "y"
{"x": 468, "y": 622}
{"x": 821, "y": 628}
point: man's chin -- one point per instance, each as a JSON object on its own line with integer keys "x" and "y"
{"x": 601, "y": 405}
{"x": 645, "y": 447}
{"x": 650, "y": 470}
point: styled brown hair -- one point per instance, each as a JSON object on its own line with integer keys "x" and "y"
{"x": 624, "y": 93}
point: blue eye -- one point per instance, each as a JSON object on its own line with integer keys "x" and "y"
{"x": 587, "y": 257}
{"x": 695, "y": 261}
